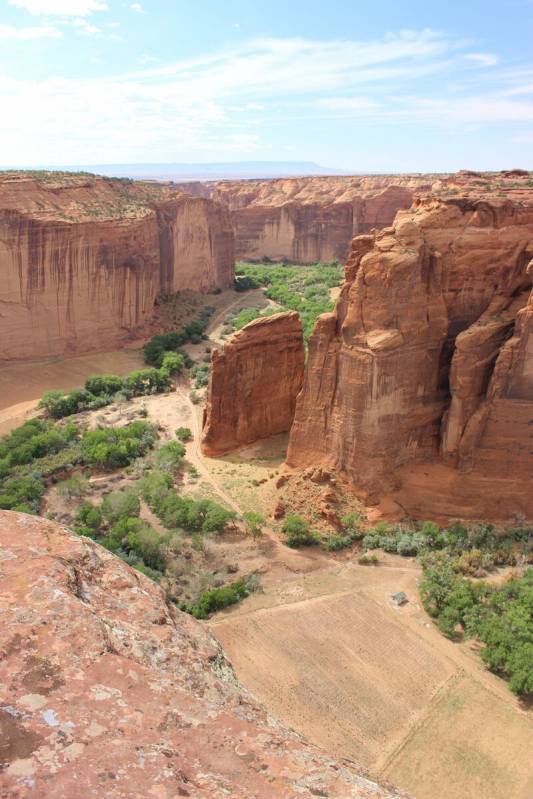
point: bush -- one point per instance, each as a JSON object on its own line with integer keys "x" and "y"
{"x": 21, "y": 494}
{"x": 146, "y": 381}
{"x": 184, "y": 434}
{"x": 254, "y": 523}
{"x": 119, "y": 505}
{"x": 111, "y": 448}
{"x": 99, "y": 385}
{"x": 368, "y": 560}
{"x": 173, "y": 363}
{"x": 218, "y": 598}
{"x": 170, "y": 456}
{"x": 200, "y": 373}
{"x": 297, "y": 532}
{"x": 88, "y": 520}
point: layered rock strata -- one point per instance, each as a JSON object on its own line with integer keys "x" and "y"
{"x": 305, "y": 220}
{"x": 254, "y": 383}
{"x": 107, "y": 691}
{"x": 428, "y": 358}
{"x": 82, "y": 259}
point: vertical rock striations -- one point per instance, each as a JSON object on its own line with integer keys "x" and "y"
{"x": 428, "y": 357}
{"x": 82, "y": 259}
{"x": 254, "y": 383}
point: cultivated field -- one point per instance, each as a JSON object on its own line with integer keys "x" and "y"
{"x": 329, "y": 654}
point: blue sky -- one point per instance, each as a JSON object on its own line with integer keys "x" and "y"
{"x": 376, "y": 86}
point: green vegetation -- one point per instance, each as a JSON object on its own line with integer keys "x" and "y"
{"x": 351, "y": 525}
{"x": 200, "y": 373}
{"x": 218, "y": 598}
{"x": 26, "y": 456}
{"x": 474, "y": 550}
{"x": 453, "y": 560}
{"x": 297, "y": 532}
{"x": 193, "y": 332}
{"x": 184, "y": 434}
{"x": 254, "y": 523}
{"x": 502, "y": 618}
{"x": 113, "y": 447}
{"x": 182, "y": 512}
{"x": 305, "y": 289}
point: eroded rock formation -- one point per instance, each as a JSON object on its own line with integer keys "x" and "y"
{"x": 308, "y": 219}
{"x": 82, "y": 259}
{"x": 254, "y": 383}
{"x": 106, "y": 691}
{"x": 428, "y": 359}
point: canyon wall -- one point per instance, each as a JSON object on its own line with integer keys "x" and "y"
{"x": 254, "y": 383}
{"x": 107, "y": 690}
{"x": 82, "y": 259}
{"x": 428, "y": 360}
{"x": 311, "y": 219}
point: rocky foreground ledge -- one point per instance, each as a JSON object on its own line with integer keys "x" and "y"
{"x": 106, "y": 691}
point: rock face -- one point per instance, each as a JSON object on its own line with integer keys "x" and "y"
{"x": 82, "y": 259}
{"x": 428, "y": 359}
{"x": 106, "y": 691}
{"x": 254, "y": 383}
{"x": 309, "y": 219}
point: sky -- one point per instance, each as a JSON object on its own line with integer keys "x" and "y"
{"x": 374, "y": 86}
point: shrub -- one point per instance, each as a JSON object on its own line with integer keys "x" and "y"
{"x": 146, "y": 381}
{"x": 99, "y": 385}
{"x": 119, "y": 505}
{"x": 218, "y": 598}
{"x": 184, "y": 434}
{"x": 170, "y": 456}
{"x": 368, "y": 560}
{"x": 147, "y": 545}
{"x": 254, "y": 523}
{"x": 21, "y": 494}
{"x": 200, "y": 372}
{"x": 297, "y": 532}
{"x": 194, "y": 398}
{"x": 172, "y": 363}
{"x": 88, "y": 520}
{"x": 111, "y": 448}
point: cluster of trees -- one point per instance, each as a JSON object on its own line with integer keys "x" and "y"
{"x": 102, "y": 390}
{"x": 502, "y": 618}
{"x": 116, "y": 526}
{"x": 26, "y": 454}
{"x": 193, "y": 332}
{"x": 305, "y": 289}
{"x": 114, "y": 447}
{"x": 474, "y": 550}
{"x": 182, "y": 512}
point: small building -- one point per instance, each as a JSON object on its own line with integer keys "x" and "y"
{"x": 399, "y": 599}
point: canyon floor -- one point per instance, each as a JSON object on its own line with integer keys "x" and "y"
{"x": 321, "y": 644}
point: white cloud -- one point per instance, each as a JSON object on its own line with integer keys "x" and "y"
{"x": 82, "y": 26}
{"x": 138, "y": 8}
{"x": 483, "y": 59}
{"x": 197, "y": 105}
{"x": 27, "y": 34}
{"x": 63, "y": 8}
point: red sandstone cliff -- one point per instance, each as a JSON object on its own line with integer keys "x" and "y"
{"x": 107, "y": 691}
{"x": 254, "y": 383}
{"x": 308, "y": 219}
{"x": 82, "y": 259}
{"x": 428, "y": 358}
{"x": 312, "y": 219}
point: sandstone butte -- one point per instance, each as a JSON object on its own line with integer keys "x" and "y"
{"x": 254, "y": 383}
{"x": 421, "y": 380}
{"x": 108, "y": 691}
{"x": 310, "y": 219}
{"x": 82, "y": 258}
